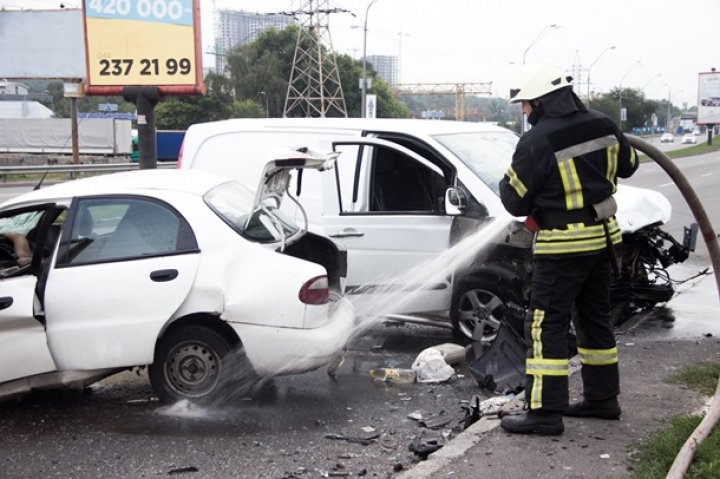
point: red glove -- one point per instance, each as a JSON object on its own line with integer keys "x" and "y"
{"x": 531, "y": 224}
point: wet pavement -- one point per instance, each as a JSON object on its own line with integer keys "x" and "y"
{"x": 306, "y": 426}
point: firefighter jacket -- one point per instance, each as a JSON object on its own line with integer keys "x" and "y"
{"x": 560, "y": 168}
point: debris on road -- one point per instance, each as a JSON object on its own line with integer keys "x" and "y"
{"x": 430, "y": 367}
{"x": 500, "y": 368}
{"x": 395, "y": 375}
{"x": 365, "y": 441}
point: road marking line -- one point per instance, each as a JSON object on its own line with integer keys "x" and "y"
{"x": 706, "y": 174}
{"x": 666, "y": 184}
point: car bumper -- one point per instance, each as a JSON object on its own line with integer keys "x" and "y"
{"x": 276, "y": 351}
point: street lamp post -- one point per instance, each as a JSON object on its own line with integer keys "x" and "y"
{"x": 363, "y": 87}
{"x": 632, "y": 67}
{"x": 657, "y": 75}
{"x": 669, "y": 109}
{"x": 267, "y": 104}
{"x": 542, "y": 32}
{"x": 553, "y": 26}
{"x": 590, "y": 67}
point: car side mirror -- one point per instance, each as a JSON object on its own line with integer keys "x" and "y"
{"x": 455, "y": 201}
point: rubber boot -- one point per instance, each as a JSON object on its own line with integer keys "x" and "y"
{"x": 534, "y": 422}
{"x": 604, "y": 409}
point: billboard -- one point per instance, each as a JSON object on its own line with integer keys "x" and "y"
{"x": 709, "y": 98}
{"x": 42, "y": 44}
{"x": 143, "y": 43}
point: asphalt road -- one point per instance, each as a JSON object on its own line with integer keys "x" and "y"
{"x": 307, "y": 426}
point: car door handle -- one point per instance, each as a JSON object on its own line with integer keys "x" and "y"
{"x": 162, "y": 275}
{"x": 6, "y": 302}
{"x": 346, "y": 233}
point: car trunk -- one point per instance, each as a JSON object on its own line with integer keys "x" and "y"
{"x": 323, "y": 251}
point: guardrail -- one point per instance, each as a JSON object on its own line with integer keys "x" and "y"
{"x": 74, "y": 170}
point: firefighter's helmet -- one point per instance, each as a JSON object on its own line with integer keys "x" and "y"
{"x": 539, "y": 81}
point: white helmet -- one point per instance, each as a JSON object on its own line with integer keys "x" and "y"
{"x": 539, "y": 81}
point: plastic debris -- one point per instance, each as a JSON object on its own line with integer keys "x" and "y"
{"x": 395, "y": 375}
{"x": 430, "y": 367}
{"x": 415, "y": 415}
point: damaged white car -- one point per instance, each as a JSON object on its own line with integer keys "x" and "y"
{"x": 183, "y": 271}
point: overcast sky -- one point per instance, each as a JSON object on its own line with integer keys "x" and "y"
{"x": 473, "y": 41}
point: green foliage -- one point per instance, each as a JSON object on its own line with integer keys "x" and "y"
{"x": 702, "y": 377}
{"x": 639, "y": 109}
{"x": 178, "y": 113}
{"x": 653, "y": 457}
{"x": 255, "y": 85}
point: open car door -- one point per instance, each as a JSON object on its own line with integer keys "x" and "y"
{"x": 389, "y": 213}
{"x": 23, "y": 343}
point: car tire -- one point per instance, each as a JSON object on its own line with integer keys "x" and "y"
{"x": 199, "y": 364}
{"x": 481, "y": 301}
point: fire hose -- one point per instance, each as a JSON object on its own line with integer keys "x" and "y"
{"x": 685, "y": 455}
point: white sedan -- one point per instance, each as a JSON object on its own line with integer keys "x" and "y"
{"x": 183, "y": 271}
{"x": 689, "y": 138}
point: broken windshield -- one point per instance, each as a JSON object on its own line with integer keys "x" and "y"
{"x": 233, "y": 203}
{"x": 487, "y": 154}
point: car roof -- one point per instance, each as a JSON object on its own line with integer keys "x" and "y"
{"x": 398, "y": 125}
{"x": 130, "y": 182}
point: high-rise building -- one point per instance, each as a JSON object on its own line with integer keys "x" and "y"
{"x": 237, "y": 27}
{"x": 386, "y": 67}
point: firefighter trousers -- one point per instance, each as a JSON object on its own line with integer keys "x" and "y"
{"x": 558, "y": 283}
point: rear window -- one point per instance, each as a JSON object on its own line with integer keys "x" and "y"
{"x": 234, "y": 204}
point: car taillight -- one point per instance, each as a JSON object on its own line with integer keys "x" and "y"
{"x": 315, "y": 291}
{"x": 180, "y": 153}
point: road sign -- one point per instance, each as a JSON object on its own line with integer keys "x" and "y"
{"x": 371, "y": 106}
{"x": 107, "y": 107}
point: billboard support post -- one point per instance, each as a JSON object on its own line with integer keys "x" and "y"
{"x": 145, "y": 99}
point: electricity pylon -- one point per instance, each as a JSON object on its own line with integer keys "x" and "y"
{"x": 314, "y": 89}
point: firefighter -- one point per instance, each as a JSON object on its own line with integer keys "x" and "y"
{"x": 562, "y": 177}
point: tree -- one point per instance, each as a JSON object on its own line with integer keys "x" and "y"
{"x": 639, "y": 110}
{"x": 178, "y": 113}
{"x": 263, "y": 67}
{"x": 260, "y": 70}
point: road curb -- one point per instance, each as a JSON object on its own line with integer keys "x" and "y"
{"x": 450, "y": 452}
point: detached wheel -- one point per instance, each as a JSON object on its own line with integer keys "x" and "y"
{"x": 196, "y": 363}
{"x": 478, "y": 307}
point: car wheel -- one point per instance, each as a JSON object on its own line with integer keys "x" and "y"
{"x": 479, "y": 305}
{"x": 199, "y": 364}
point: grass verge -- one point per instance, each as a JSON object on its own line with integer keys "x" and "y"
{"x": 698, "y": 149}
{"x": 652, "y": 457}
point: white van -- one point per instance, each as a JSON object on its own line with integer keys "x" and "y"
{"x": 386, "y": 202}
{"x": 404, "y": 191}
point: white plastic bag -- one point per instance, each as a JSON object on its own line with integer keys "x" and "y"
{"x": 430, "y": 367}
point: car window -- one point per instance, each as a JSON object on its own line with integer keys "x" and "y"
{"x": 17, "y": 232}
{"x": 487, "y": 154}
{"x": 401, "y": 184}
{"x": 233, "y": 203}
{"x": 115, "y": 229}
